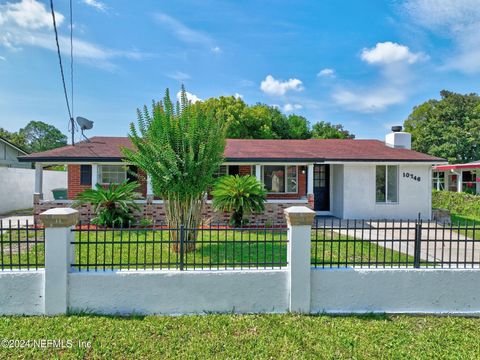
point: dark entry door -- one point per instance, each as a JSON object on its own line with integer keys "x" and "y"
{"x": 321, "y": 187}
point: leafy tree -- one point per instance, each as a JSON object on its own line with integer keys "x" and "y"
{"x": 40, "y": 136}
{"x": 448, "y": 128}
{"x": 181, "y": 148}
{"x": 113, "y": 205}
{"x": 240, "y": 194}
{"x": 14, "y": 137}
{"x": 299, "y": 127}
{"x": 326, "y": 130}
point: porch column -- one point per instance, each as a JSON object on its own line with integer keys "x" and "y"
{"x": 94, "y": 175}
{"x": 38, "y": 179}
{"x": 477, "y": 181}
{"x": 149, "y": 185}
{"x": 310, "y": 179}
{"x": 459, "y": 181}
{"x": 258, "y": 172}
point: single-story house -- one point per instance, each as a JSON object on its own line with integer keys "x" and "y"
{"x": 9, "y": 154}
{"x": 349, "y": 179}
{"x": 457, "y": 177}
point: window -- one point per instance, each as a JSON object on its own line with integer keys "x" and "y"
{"x": 112, "y": 174}
{"x": 386, "y": 190}
{"x": 280, "y": 179}
{"x": 85, "y": 174}
{"x": 438, "y": 180}
{"x": 222, "y": 171}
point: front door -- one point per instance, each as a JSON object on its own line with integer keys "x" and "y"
{"x": 321, "y": 187}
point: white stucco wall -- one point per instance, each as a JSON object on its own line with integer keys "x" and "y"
{"x": 175, "y": 292}
{"x": 396, "y": 291}
{"x": 18, "y": 185}
{"x": 337, "y": 190}
{"x": 21, "y": 292}
{"x": 359, "y": 193}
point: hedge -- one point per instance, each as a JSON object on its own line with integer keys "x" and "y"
{"x": 458, "y": 203}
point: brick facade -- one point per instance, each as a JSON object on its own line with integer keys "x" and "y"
{"x": 74, "y": 187}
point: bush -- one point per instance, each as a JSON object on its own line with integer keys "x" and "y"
{"x": 240, "y": 194}
{"x": 458, "y": 203}
{"x": 112, "y": 205}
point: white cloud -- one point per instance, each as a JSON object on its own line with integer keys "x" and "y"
{"x": 28, "y": 14}
{"x": 3, "y": 58}
{"x": 29, "y": 23}
{"x": 458, "y": 20}
{"x": 326, "y": 73}
{"x": 274, "y": 87}
{"x": 179, "y": 76}
{"x": 369, "y": 100}
{"x": 190, "y": 97}
{"x": 291, "y": 107}
{"x": 238, "y": 96}
{"x": 389, "y": 52}
{"x": 98, "y": 5}
{"x": 216, "y": 49}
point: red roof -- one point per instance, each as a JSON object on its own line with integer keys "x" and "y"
{"x": 101, "y": 148}
{"x": 472, "y": 165}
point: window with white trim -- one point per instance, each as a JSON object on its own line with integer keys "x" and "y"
{"x": 386, "y": 184}
{"x": 280, "y": 179}
{"x": 112, "y": 174}
{"x": 438, "y": 179}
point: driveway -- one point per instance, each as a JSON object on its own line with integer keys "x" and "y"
{"x": 439, "y": 244}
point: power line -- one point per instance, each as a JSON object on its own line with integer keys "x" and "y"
{"x": 72, "y": 124}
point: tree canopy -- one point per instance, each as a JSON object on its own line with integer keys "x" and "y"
{"x": 262, "y": 121}
{"x": 448, "y": 128}
{"x": 36, "y": 136}
{"x": 326, "y": 130}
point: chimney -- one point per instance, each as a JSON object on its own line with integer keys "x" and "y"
{"x": 398, "y": 138}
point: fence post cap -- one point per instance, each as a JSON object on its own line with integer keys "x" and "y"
{"x": 299, "y": 215}
{"x": 59, "y": 217}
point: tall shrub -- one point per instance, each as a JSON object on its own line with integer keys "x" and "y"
{"x": 180, "y": 147}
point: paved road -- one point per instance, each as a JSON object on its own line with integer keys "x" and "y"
{"x": 439, "y": 244}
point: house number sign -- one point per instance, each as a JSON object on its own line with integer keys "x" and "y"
{"x": 411, "y": 176}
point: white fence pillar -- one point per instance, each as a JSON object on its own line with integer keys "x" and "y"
{"x": 59, "y": 254}
{"x": 299, "y": 221}
{"x": 38, "y": 179}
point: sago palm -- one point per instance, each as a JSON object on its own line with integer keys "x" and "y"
{"x": 112, "y": 205}
{"x": 239, "y": 194}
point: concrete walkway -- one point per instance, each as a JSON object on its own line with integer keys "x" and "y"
{"x": 439, "y": 244}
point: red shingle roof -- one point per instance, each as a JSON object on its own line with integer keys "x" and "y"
{"x": 102, "y": 148}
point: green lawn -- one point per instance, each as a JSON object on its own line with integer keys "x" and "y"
{"x": 154, "y": 250}
{"x": 248, "y": 336}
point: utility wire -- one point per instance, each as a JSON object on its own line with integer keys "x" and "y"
{"x": 61, "y": 65}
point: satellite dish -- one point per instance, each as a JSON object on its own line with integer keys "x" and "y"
{"x": 84, "y": 124}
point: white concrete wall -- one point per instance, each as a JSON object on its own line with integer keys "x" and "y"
{"x": 175, "y": 292}
{"x": 396, "y": 291}
{"x": 17, "y": 187}
{"x": 359, "y": 193}
{"x": 21, "y": 292}
{"x": 337, "y": 190}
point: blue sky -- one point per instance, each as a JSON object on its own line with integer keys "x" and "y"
{"x": 363, "y": 64}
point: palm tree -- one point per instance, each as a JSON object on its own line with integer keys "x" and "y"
{"x": 181, "y": 148}
{"x": 240, "y": 194}
{"x": 113, "y": 205}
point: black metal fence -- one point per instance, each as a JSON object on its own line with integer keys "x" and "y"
{"x": 395, "y": 244}
{"x": 22, "y": 246}
{"x": 159, "y": 247}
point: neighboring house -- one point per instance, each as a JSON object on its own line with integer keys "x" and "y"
{"x": 9, "y": 154}
{"x": 350, "y": 179}
{"x": 457, "y": 177}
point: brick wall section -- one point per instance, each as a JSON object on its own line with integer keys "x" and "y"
{"x": 273, "y": 214}
{"x": 74, "y": 187}
{"x": 245, "y": 170}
